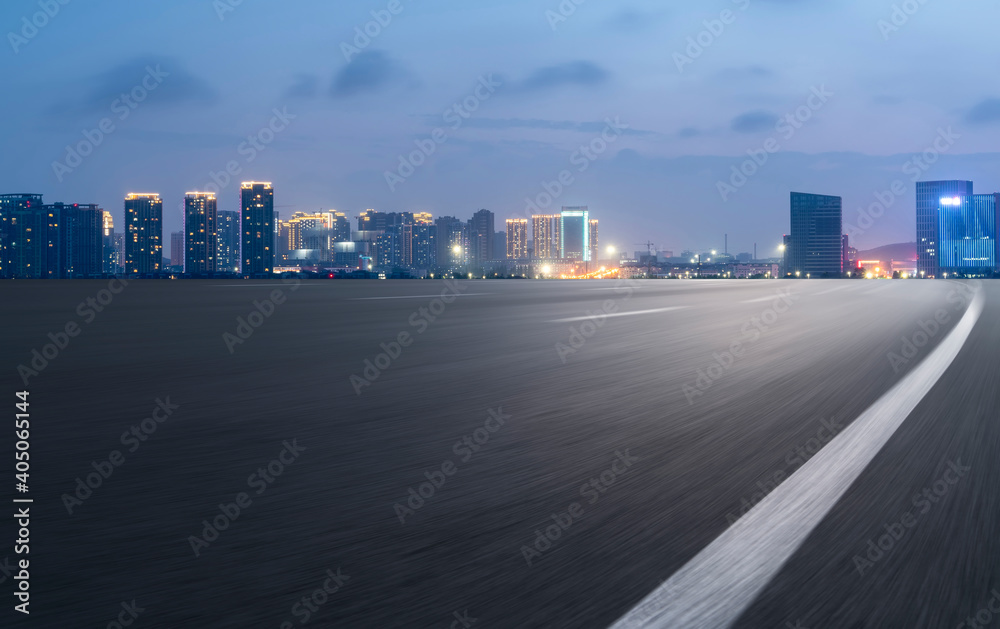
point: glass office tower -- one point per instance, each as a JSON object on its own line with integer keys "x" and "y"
{"x": 929, "y": 195}
{"x": 816, "y": 245}
{"x": 967, "y": 234}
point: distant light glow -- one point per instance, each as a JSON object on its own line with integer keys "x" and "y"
{"x": 951, "y": 201}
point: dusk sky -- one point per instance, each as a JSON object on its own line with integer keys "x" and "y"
{"x": 220, "y": 72}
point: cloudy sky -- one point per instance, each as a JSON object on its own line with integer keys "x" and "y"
{"x": 643, "y": 109}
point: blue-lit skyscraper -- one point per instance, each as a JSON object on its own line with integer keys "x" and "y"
{"x": 929, "y": 195}
{"x": 967, "y": 234}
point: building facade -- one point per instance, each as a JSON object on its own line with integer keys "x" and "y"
{"x": 257, "y": 227}
{"x": 201, "y": 244}
{"x": 228, "y": 242}
{"x": 143, "y": 234}
{"x": 816, "y": 243}
{"x": 929, "y": 195}
{"x": 575, "y": 230}
{"x": 967, "y": 235}
{"x": 482, "y": 227}
{"x": 546, "y": 231}
{"x": 517, "y": 239}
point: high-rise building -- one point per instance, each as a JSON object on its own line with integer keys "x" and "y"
{"x": 143, "y": 234}
{"x": 575, "y": 230}
{"x": 109, "y": 254}
{"x": 517, "y": 238}
{"x": 929, "y": 195}
{"x": 424, "y": 245}
{"x": 257, "y": 227}
{"x": 201, "y": 224}
{"x": 594, "y": 254}
{"x": 500, "y": 244}
{"x": 967, "y": 234}
{"x": 482, "y": 226}
{"x": 547, "y": 236}
{"x": 228, "y": 256}
{"x": 177, "y": 251}
{"x": 340, "y": 227}
{"x": 389, "y": 247}
{"x": 452, "y": 243}
{"x": 74, "y": 240}
{"x": 816, "y": 247}
{"x": 309, "y": 231}
{"x": 21, "y": 247}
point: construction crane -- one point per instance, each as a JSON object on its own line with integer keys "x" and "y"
{"x": 651, "y": 248}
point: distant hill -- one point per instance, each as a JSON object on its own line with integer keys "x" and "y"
{"x": 899, "y": 251}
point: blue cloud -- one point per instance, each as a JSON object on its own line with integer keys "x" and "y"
{"x": 581, "y": 73}
{"x": 986, "y": 112}
{"x": 370, "y": 71}
{"x": 754, "y": 122}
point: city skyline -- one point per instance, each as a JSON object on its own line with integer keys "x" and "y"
{"x": 329, "y": 124}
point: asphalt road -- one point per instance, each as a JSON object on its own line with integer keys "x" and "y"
{"x": 580, "y": 454}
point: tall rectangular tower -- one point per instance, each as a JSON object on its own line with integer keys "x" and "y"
{"x": 481, "y": 230}
{"x": 517, "y": 238}
{"x": 228, "y": 257}
{"x": 257, "y": 227}
{"x": 201, "y": 236}
{"x": 575, "y": 244}
{"x": 143, "y": 234}
{"x": 929, "y": 195}
{"x": 817, "y": 235}
{"x": 547, "y": 235}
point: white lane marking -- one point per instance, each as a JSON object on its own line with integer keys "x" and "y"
{"x": 717, "y": 585}
{"x": 761, "y": 299}
{"x": 617, "y": 314}
{"x": 834, "y": 289}
{"x": 877, "y": 289}
{"x": 414, "y": 297}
